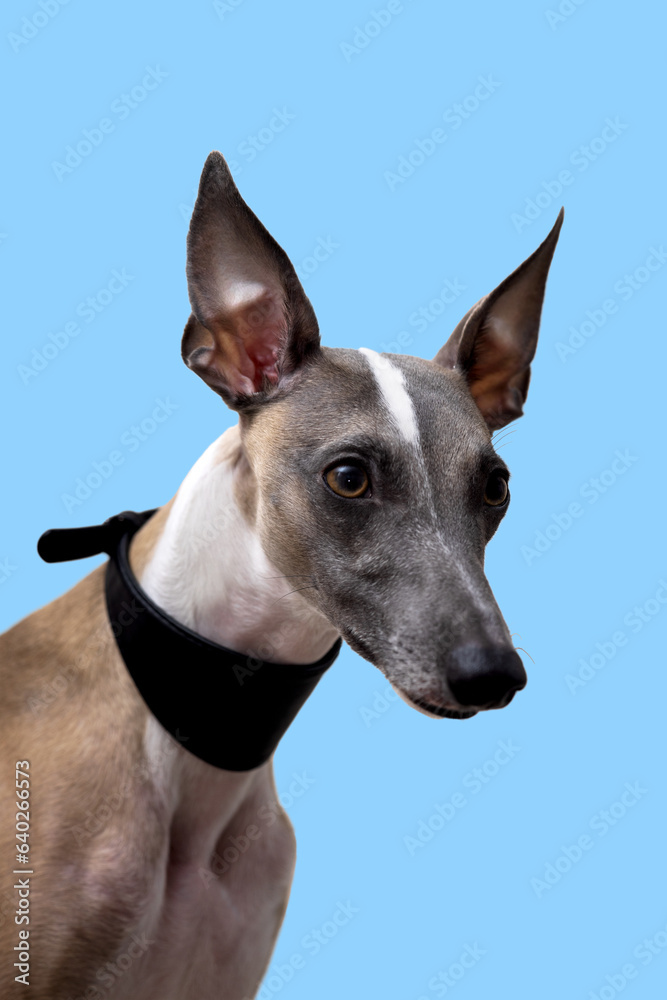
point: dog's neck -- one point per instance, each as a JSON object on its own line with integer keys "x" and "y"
{"x": 207, "y": 569}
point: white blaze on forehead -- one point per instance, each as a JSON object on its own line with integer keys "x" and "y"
{"x": 391, "y": 383}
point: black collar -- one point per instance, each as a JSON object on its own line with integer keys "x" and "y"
{"x": 231, "y": 710}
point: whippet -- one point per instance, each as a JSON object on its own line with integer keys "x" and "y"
{"x": 354, "y": 498}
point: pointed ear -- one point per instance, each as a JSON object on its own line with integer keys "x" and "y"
{"x": 495, "y": 342}
{"x": 252, "y": 325}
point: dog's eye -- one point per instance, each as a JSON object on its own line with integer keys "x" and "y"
{"x": 349, "y": 481}
{"x": 497, "y": 491}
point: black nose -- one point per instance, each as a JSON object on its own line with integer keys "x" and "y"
{"x": 484, "y": 676}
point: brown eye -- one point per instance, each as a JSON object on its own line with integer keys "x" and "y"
{"x": 497, "y": 491}
{"x": 349, "y": 481}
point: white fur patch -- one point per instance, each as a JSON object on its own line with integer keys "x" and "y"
{"x": 209, "y": 571}
{"x": 391, "y": 383}
{"x": 239, "y": 294}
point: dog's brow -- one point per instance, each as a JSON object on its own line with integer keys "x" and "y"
{"x": 362, "y": 446}
{"x": 391, "y": 383}
{"x": 489, "y": 457}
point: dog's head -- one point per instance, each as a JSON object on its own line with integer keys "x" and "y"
{"x": 370, "y": 477}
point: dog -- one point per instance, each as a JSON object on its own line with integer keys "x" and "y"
{"x": 353, "y": 500}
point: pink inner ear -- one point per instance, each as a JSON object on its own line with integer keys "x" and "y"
{"x": 250, "y": 339}
{"x": 265, "y": 358}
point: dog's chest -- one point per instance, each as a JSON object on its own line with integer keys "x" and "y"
{"x": 177, "y": 884}
{"x": 217, "y": 894}
{"x": 209, "y": 932}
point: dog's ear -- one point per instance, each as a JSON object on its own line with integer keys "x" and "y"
{"x": 495, "y": 342}
{"x": 252, "y": 325}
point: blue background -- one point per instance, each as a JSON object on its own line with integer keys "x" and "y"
{"x": 126, "y": 205}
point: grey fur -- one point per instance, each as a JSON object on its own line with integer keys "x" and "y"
{"x": 399, "y": 572}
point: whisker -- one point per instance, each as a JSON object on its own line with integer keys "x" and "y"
{"x": 499, "y": 442}
{"x": 284, "y": 576}
{"x": 527, "y": 653}
{"x": 296, "y": 591}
